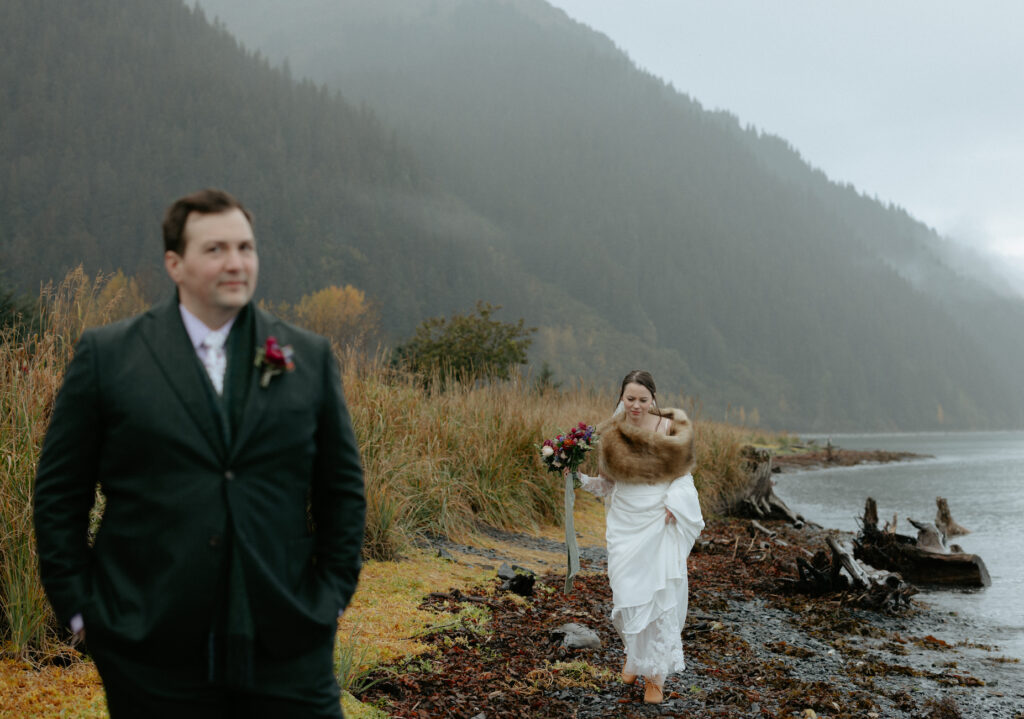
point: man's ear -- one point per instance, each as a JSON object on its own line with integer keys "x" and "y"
{"x": 172, "y": 263}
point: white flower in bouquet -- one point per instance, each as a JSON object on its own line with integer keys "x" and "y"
{"x": 568, "y": 449}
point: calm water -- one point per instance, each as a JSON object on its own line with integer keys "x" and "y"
{"x": 980, "y": 474}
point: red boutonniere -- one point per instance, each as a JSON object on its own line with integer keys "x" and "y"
{"x": 273, "y": 359}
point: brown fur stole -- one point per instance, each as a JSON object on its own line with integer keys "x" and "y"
{"x": 635, "y": 455}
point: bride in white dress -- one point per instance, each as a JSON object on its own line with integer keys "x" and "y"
{"x": 653, "y": 518}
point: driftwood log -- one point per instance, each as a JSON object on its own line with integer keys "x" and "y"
{"x": 924, "y": 559}
{"x": 758, "y": 500}
{"x": 841, "y": 572}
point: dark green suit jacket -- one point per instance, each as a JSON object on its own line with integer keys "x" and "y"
{"x": 284, "y": 496}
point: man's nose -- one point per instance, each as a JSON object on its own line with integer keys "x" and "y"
{"x": 233, "y": 259}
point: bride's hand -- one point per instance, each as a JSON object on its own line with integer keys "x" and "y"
{"x": 669, "y": 517}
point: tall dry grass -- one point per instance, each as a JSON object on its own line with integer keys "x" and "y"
{"x": 441, "y": 461}
{"x": 31, "y": 369}
{"x": 438, "y": 461}
{"x": 720, "y": 478}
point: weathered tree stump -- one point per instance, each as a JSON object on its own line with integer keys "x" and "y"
{"x": 923, "y": 560}
{"x": 870, "y": 518}
{"x": 759, "y": 501}
{"x": 945, "y": 522}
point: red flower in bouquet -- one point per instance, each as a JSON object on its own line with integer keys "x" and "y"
{"x": 567, "y": 451}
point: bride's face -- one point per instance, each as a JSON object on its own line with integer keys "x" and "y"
{"x": 637, "y": 401}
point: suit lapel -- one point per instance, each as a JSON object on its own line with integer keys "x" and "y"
{"x": 257, "y": 400}
{"x": 165, "y": 336}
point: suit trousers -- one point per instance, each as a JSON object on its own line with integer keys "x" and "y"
{"x": 302, "y": 687}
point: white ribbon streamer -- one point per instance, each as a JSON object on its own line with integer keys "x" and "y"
{"x": 572, "y": 551}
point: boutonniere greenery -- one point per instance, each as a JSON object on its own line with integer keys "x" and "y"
{"x": 272, "y": 359}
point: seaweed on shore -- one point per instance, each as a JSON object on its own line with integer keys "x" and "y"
{"x": 753, "y": 648}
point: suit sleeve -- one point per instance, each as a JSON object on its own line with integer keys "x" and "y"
{"x": 338, "y": 499}
{"x": 65, "y": 487}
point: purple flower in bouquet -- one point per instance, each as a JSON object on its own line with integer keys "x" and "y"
{"x": 567, "y": 451}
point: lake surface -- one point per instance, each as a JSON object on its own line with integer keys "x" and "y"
{"x": 981, "y": 475}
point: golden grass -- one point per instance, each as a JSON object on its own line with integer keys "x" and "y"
{"x": 565, "y": 675}
{"x": 355, "y": 709}
{"x": 32, "y": 691}
{"x": 384, "y": 614}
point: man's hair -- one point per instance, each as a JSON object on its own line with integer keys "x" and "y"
{"x": 205, "y": 202}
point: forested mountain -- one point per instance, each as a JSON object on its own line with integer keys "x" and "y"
{"x": 508, "y": 155}
{"x": 112, "y": 109}
{"x": 771, "y": 287}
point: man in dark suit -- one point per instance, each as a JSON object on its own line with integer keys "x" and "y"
{"x": 231, "y": 536}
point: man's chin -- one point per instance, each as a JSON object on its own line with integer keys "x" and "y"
{"x": 234, "y": 300}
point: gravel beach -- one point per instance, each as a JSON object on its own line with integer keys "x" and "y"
{"x": 754, "y": 648}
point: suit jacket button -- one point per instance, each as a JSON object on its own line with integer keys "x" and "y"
{"x": 214, "y": 541}
{"x": 229, "y": 475}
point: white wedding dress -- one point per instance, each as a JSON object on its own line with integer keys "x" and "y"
{"x": 647, "y": 568}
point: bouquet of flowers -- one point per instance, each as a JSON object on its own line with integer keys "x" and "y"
{"x": 566, "y": 451}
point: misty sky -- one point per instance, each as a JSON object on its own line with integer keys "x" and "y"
{"x": 917, "y": 102}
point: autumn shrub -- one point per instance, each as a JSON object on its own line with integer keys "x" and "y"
{"x": 341, "y": 313}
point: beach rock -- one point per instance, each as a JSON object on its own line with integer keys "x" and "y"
{"x": 517, "y": 579}
{"x": 576, "y": 636}
{"x": 945, "y": 522}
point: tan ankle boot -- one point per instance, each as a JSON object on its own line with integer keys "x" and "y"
{"x": 652, "y": 692}
{"x": 628, "y": 678}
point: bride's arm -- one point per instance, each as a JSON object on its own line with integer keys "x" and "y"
{"x": 598, "y": 486}
{"x": 682, "y": 502}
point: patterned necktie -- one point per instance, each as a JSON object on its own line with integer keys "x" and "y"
{"x": 215, "y": 359}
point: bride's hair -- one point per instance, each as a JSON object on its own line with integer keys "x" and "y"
{"x": 641, "y": 377}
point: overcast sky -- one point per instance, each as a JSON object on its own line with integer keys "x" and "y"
{"x": 917, "y": 102}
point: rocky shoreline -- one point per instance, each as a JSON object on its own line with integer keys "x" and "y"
{"x": 754, "y": 648}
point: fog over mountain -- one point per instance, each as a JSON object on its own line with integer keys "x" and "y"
{"x": 490, "y": 94}
{"x": 499, "y": 151}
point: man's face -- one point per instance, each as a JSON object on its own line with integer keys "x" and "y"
{"x": 216, "y": 275}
